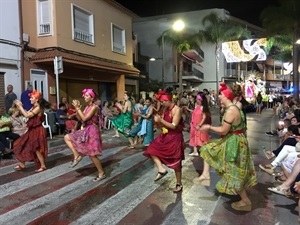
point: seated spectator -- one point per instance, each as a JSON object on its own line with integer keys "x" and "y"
{"x": 5, "y": 125}
{"x": 18, "y": 124}
{"x": 291, "y": 140}
{"x": 107, "y": 114}
{"x": 66, "y": 123}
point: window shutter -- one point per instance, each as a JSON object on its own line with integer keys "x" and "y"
{"x": 81, "y": 21}
{"x": 44, "y": 12}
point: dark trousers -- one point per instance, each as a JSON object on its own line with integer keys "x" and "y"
{"x": 3, "y": 138}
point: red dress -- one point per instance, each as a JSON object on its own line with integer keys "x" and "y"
{"x": 35, "y": 139}
{"x": 169, "y": 147}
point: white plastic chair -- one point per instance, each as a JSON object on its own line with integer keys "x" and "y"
{"x": 46, "y": 125}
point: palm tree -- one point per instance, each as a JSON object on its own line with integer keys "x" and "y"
{"x": 216, "y": 31}
{"x": 284, "y": 20}
{"x": 181, "y": 41}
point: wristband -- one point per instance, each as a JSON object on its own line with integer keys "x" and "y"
{"x": 174, "y": 124}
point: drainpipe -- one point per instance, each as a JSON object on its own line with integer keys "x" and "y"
{"x": 22, "y": 45}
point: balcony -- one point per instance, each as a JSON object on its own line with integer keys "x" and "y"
{"x": 195, "y": 76}
{"x": 195, "y": 55}
{"x": 82, "y": 36}
{"x": 44, "y": 29}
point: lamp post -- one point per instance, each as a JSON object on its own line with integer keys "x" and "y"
{"x": 178, "y": 25}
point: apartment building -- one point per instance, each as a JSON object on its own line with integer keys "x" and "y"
{"x": 93, "y": 39}
{"x": 10, "y": 48}
{"x": 199, "y": 70}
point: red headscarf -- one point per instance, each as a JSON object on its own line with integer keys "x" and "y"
{"x": 35, "y": 94}
{"x": 165, "y": 97}
{"x": 226, "y": 91}
{"x": 159, "y": 94}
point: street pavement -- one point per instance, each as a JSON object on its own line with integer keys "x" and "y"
{"x": 129, "y": 196}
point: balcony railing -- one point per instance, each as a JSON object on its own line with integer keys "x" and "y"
{"x": 194, "y": 73}
{"x": 117, "y": 47}
{"x": 44, "y": 28}
{"x": 83, "y": 36}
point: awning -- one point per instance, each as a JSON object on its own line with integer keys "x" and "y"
{"x": 47, "y": 55}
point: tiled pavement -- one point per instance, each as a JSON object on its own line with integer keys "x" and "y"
{"x": 62, "y": 195}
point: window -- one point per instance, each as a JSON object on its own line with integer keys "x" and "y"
{"x": 118, "y": 39}
{"x": 83, "y": 25}
{"x": 44, "y": 17}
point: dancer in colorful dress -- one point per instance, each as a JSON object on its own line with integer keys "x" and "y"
{"x": 168, "y": 147}
{"x": 124, "y": 121}
{"x": 230, "y": 155}
{"x": 32, "y": 146}
{"x": 87, "y": 141}
{"x": 199, "y": 117}
{"x": 144, "y": 128}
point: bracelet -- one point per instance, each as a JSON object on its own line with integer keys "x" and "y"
{"x": 174, "y": 124}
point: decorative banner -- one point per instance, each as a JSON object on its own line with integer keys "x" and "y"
{"x": 252, "y": 49}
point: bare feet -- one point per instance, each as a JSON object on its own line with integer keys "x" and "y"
{"x": 242, "y": 206}
{"x": 203, "y": 180}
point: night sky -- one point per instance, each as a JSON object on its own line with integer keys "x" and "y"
{"x": 248, "y": 10}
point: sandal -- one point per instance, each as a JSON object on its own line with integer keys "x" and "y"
{"x": 278, "y": 190}
{"x": 76, "y": 161}
{"x": 98, "y": 178}
{"x": 19, "y": 168}
{"x": 269, "y": 154}
{"x": 160, "y": 175}
{"x": 267, "y": 168}
{"x": 178, "y": 188}
{"x": 40, "y": 169}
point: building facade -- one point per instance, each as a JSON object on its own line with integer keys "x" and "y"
{"x": 10, "y": 48}
{"x": 94, "y": 40}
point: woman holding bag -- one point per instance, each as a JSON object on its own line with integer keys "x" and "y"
{"x": 87, "y": 141}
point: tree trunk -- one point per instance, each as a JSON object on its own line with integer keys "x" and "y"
{"x": 217, "y": 68}
{"x": 295, "y": 67}
{"x": 180, "y": 71}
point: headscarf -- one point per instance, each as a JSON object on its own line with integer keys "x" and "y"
{"x": 89, "y": 91}
{"x": 199, "y": 98}
{"x": 165, "y": 97}
{"x": 226, "y": 91}
{"x": 159, "y": 94}
{"x": 35, "y": 94}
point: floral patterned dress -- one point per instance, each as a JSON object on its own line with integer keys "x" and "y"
{"x": 232, "y": 159}
{"x": 87, "y": 140}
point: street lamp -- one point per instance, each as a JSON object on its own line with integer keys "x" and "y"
{"x": 178, "y": 25}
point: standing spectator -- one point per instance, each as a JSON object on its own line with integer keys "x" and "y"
{"x": 258, "y": 103}
{"x": 87, "y": 141}
{"x": 168, "y": 147}
{"x": 61, "y": 117}
{"x": 199, "y": 115}
{"x": 32, "y": 146}
{"x": 230, "y": 155}
{"x": 9, "y": 97}
{"x": 271, "y": 97}
{"x": 25, "y": 99}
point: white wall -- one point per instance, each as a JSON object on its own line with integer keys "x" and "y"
{"x": 10, "y": 50}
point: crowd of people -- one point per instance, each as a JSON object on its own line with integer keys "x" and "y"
{"x": 170, "y": 114}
